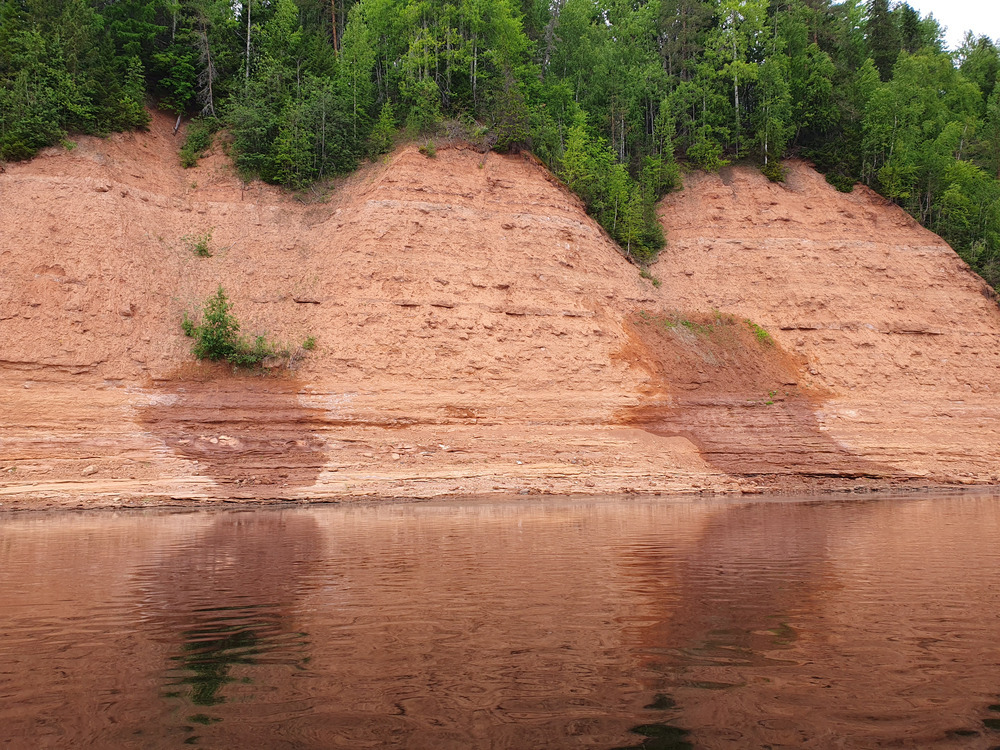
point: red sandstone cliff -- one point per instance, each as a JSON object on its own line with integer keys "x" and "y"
{"x": 476, "y": 333}
{"x": 895, "y": 331}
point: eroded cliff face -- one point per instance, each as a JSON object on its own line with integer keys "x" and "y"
{"x": 468, "y": 317}
{"x": 476, "y": 333}
{"x": 899, "y": 340}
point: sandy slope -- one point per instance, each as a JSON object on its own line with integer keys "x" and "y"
{"x": 476, "y": 334}
{"x": 900, "y": 335}
{"x": 467, "y": 313}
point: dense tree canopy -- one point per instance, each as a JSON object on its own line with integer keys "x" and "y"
{"x": 612, "y": 94}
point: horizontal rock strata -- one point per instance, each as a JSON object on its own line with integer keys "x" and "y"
{"x": 473, "y": 333}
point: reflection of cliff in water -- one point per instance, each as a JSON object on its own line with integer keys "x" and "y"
{"x": 226, "y": 600}
{"x": 721, "y": 603}
{"x": 852, "y": 624}
{"x": 222, "y": 638}
{"x": 729, "y": 597}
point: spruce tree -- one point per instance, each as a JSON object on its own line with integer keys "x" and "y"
{"x": 882, "y": 37}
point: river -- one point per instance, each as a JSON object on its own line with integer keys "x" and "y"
{"x": 825, "y": 622}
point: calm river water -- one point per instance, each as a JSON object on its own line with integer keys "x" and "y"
{"x": 557, "y": 623}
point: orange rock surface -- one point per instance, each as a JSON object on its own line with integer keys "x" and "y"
{"x": 476, "y": 334}
{"x": 896, "y": 334}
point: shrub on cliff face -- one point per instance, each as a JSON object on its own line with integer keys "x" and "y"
{"x": 218, "y": 336}
{"x": 760, "y": 333}
{"x": 198, "y": 140}
{"x": 774, "y": 171}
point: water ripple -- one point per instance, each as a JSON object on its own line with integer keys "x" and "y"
{"x": 550, "y": 624}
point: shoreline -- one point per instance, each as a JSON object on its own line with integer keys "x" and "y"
{"x": 478, "y": 336}
{"x": 27, "y": 502}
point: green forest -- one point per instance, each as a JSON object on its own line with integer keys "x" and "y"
{"x": 615, "y": 96}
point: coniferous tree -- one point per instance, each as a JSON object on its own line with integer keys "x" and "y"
{"x": 882, "y": 36}
{"x": 980, "y": 62}
{"x": 608, "y": 93}
{"x": 682, "y": 27}
{"x": 910, "y": 33}
{"x": 991, "y": 132}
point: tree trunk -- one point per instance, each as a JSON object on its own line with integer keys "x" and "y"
{"x": 474, "y": 72}
{"x": 736, "y": 95}
{"x": 322, "y": 138}
{"x": 333, "y": 17}
{"x": 249, "y": 2}
{"x": 207, "y": 74}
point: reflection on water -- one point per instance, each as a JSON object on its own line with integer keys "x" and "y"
{"x": 621, "y": 623}
{"x": 754, "y": 565}
{"x": 227, "y": 637}
{"x": 226, "y": 602}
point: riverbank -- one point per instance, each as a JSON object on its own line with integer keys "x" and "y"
{"x": 63, "y": 497}
{"x": 476, "y": 334}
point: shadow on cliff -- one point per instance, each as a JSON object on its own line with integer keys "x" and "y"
{"x": 726, "y": 386}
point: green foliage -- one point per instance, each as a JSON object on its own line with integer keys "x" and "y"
{"x": 980, "y": 62}
{"x": 761, "y": 334}
{"x": 428, "y": 149}
{"x": 381, "y": 138}
{"x": 197, "y": 141}
{"x": 510, "y": 116}
{"x": 883, "y": 38}
{"x": 424, "y": 99}
{"x": 842, "y": 183}
{"x": 292, "y": 131}
{"x": 674, "y": 321}
{"x": 774, "y": 171}
{"x": 309, "y": 344}
{"x": 772, "y": 118}
{"x": 59, "y": 73}
{"x": 649, "y": 277}
{"x": 623, "y": 206}
{"x": 199, "y": 244}
{"x": 217, "y": 337}
{"x": 970, "y": 218}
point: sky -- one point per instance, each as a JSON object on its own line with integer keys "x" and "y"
{"x": 981, "y": 16}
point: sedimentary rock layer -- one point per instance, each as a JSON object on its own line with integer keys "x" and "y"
{"x": 897, "y": 336}
{"x": 475, "y": 333}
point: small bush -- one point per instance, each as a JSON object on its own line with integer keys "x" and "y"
{"x": 199, "y": 244}
{"x": 425, "y": 107}
{"x": 218, "y": 337}
{"x": 649, "y": 277}
{"x": 429, "y": 150}
{"x": 697, "y": 328}
{"x": 309, "y": 344}
{"x": 774, "y": 171}
{"x": 197, "y": 141}
{"x": 381, "y": 138}
{"x": 839, "y": 181}
{"x": 762, "y": 336}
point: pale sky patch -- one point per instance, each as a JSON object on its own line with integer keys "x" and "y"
{"x": 982, "y": 17}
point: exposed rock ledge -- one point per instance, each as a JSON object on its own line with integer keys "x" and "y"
{"x": 477, "y": 334}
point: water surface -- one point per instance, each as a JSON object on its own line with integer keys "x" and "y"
{"x": 556, "y": 623}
